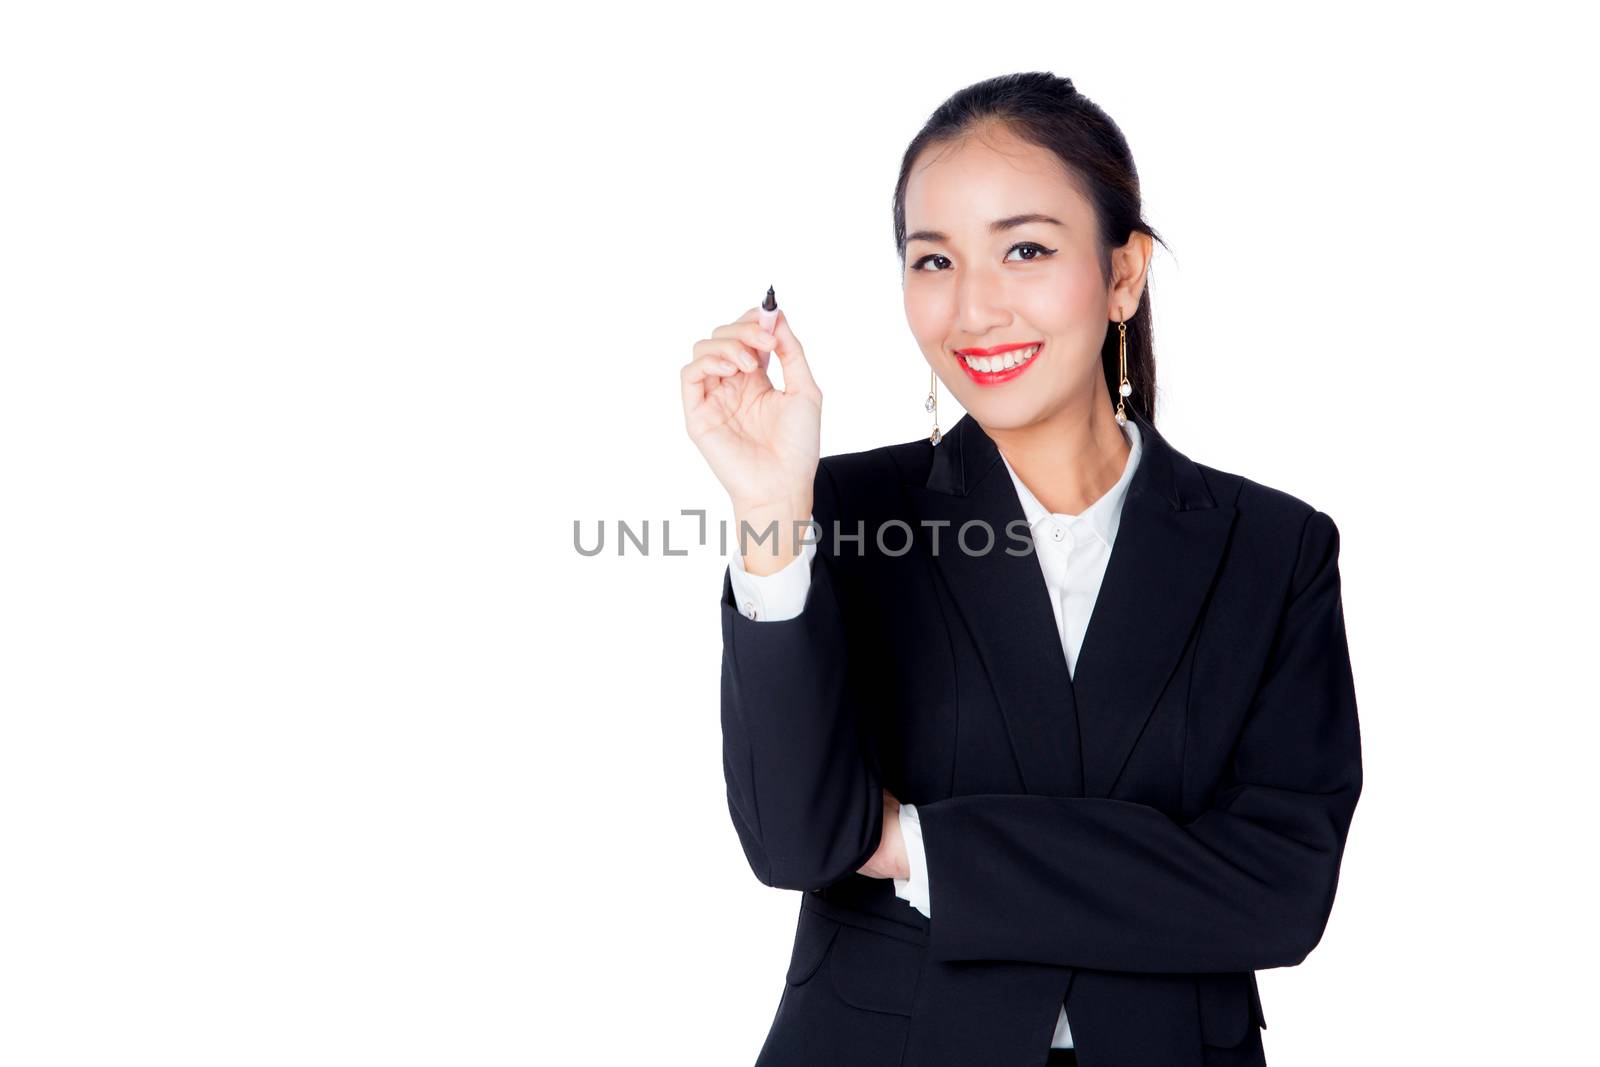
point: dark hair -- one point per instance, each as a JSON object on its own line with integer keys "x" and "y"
{"x": 1047, "y": 111}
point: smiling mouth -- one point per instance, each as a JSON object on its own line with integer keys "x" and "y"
{"x": 1000, "y": 367}
{"x": 1005, "y": 360}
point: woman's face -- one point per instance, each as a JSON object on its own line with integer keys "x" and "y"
{"x": 1002, "y": 251}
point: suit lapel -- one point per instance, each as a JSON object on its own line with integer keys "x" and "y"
{"x": 1071, "y": 736}
{"x": 1006, "y": 606}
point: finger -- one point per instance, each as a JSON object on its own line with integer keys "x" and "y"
{"x": 749, "y": 316}
{"x": 712, "y": 366}
{"x": 702, "y": 374}
{"x": 796, "y": 372}
{"x": 750, "y": 333}
{"x": 728, "y": 348}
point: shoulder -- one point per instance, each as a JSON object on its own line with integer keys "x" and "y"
{"x": 1271, "y": 520}
{"x": 875, "y": 474}
{"x": 1256, "y": 502}
{"x": 867, "y": 490}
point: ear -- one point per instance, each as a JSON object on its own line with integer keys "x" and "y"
{"x": 1130, "y": 265}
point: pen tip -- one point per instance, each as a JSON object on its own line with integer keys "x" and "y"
{"x": 771, "y": 302}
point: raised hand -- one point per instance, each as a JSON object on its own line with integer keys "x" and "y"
{"x": 762, "y": 443}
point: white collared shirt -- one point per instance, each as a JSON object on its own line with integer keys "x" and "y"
{"x": 1073, "y": 551}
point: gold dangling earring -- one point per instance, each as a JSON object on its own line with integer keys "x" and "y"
{"x": 932, "y": 404}
{"x": 1124, "y": 389}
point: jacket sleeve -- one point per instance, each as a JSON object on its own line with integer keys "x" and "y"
{"x": 803, "y": 792}
{"x": 1113, "y": 885}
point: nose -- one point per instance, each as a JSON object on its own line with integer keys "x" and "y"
{"x": 980, "y": 302}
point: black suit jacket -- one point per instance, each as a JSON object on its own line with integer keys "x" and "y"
{"x": 1138, "y": 839}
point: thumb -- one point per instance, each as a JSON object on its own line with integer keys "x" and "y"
{"x": 796, "y": 372}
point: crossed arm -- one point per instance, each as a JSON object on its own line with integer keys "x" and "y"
{"x": 1085, "y": 882}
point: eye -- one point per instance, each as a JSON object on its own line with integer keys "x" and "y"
{"x": 1039, "y": 252}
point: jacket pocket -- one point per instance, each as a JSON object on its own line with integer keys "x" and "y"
{"x": 1225, "y": 1007}
{"x": 874, "y": 971}
{"x": 812, "y": 936}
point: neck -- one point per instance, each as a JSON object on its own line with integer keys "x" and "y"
{"x": 1070, "y": 458}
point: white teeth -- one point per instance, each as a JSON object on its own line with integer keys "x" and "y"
{"x": 991, "y": 364}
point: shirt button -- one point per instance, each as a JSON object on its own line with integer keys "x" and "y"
{"x": 750, "y": 608}
{"x": 1057, "y": 533}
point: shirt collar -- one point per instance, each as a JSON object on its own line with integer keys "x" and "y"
{"x": 1105, "y": 514}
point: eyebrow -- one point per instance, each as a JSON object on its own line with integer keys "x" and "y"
{"x": 997, "y": 226}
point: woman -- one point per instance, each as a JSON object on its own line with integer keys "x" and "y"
{"x": 1054, "y": 726}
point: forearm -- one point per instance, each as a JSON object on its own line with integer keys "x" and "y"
{"x": 1112, "y": 885}
{"x": 802, "y": 790}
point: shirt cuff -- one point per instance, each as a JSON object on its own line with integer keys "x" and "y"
{"x": 914, "y": 890}
{"x": 772, "y": 597}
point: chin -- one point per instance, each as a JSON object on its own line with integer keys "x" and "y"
{"x": 1006, "y": 413}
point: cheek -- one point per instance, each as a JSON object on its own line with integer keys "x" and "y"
{"x": 1066, "y": 299}
{"x": 927, "y": 313}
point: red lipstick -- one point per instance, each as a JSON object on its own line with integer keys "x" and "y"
{"x": 999, "y": 377}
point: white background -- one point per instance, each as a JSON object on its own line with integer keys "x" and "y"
{"x": 322, "y": 323}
